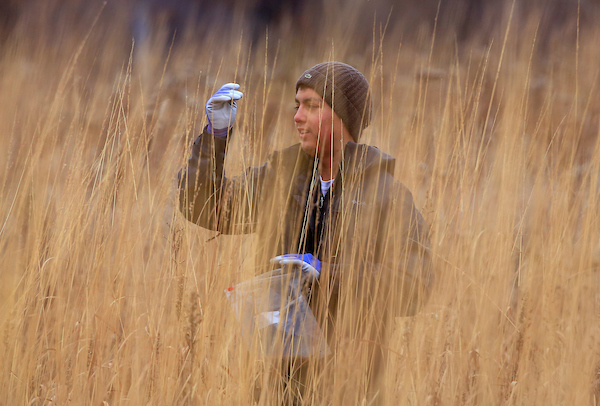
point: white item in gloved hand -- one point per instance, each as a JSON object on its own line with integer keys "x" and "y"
{"x": 221, "y": 109}
{"x": 310, "y": 265}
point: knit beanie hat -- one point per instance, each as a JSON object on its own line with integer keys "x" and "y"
{"x": 345, "y": 89}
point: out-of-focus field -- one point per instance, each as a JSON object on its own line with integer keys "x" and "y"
{"x": 108, "y": 295}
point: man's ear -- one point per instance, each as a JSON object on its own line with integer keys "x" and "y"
{"x": 346, "y": 136}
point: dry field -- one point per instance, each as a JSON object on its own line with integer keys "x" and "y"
{"x": 107, "y": 296}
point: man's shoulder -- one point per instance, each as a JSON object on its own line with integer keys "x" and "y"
{"x": 291, "y": 151}
{"x": 380, "y": 165}
{"x": 366, "y": 158}
{"x": 288, "y": 155}
{"x": 369, "y": 151}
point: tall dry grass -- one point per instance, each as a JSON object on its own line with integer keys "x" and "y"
{"x": 108, "y": 295}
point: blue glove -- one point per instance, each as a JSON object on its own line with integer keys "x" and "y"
{"x": 221, "y": 109}
{"x": 310, "y": 265}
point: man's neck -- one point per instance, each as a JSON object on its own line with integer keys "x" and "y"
{"x": 328, "y": 167}
{"x": 329, "y": 162}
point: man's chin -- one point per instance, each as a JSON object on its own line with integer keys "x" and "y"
{"x": 309, "y": 149}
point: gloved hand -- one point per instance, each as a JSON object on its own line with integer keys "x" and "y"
{"x": 221, "y": 109}
{"x": 311, "y": 266}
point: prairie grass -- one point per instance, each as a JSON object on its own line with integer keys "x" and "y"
{"x": 108, "y": 295}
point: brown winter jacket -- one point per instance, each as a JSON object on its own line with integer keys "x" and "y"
{"x": 375, "y": 243}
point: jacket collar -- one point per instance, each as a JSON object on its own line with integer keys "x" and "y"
{"x": 358, "y": 158}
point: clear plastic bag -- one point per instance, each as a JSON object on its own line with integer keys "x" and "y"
{"x": 275, "y": 316}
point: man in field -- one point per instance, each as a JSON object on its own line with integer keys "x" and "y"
{"x": 328, "y": 205}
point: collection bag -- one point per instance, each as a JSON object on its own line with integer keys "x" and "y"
{"x": 275, "y": 316}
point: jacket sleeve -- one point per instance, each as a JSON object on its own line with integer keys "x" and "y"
{"x": 213, "y": 201}
{"x": 408, "y": 253}
{"x": 400, "y": 272}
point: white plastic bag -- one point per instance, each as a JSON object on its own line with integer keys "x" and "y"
{"x": 275, "y": 316}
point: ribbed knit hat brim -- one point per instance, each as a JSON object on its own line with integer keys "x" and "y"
{"x": 345, "y": 89}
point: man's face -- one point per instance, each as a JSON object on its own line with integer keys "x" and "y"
{"x": 316, "y": 123}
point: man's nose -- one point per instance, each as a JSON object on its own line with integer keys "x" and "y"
{"x": 299, "y": 116}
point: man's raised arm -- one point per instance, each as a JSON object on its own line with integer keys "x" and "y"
{"x": 206, "y": 197}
